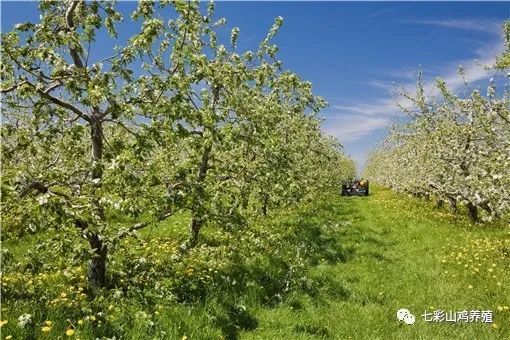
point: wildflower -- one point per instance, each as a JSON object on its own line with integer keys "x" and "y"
{"x": 24, "y": 319}
{"x": 70, "y": 332}
{"x": 3, "y": 322}
{"x": 63, "y": 295}
{"x": 8, "y": 337}
{"x": 80, "y": 322}
{"x": 470, "y": 287}
{"x": 43, "y": 199}
{"x": 46, "y": 329}
{"x": 48, "y": 323}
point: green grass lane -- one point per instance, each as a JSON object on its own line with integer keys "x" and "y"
{"x": 405, "y": 255}
{"x": 336, "y": 268}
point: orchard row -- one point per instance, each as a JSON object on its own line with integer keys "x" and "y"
{"x": 454, "y": 148}
{"x": 99, "y": 145}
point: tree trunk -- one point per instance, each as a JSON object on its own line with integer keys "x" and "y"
{"x": 439, "y": 203}
{"x": 97, "y": 266}
{"x": 197, "y": 213}
{"x": 265, "y": 203}
{"x": 245, "y": 202}
{"x": 473, "y": 212}
{"x": 453, "y": 204}
{"x": 194, "y": 231}
{"x": 196, "y": 218}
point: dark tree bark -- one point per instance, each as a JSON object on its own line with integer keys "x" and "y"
{"x": 97, "y": 265}
{"x": 265, "y": 203}
{"x": 439, "y": 203}
{"x": 473, "y": 212}
{"x": 453, "y": 204}
{"x": 197, "y": 211}
{"x": 198, "y": 200}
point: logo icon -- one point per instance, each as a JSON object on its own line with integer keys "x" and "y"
{"x": 405, "y": 316}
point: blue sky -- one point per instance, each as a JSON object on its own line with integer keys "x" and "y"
{"x": 356, "y": 54}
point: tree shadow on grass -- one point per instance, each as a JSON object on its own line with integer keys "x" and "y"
{"x": 233, "y": 319}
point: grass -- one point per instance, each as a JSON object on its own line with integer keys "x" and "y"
{"x": 338, "y": 268}
{"x": 406, "y": 256}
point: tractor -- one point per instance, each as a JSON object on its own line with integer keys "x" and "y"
{"x": 356, "y": 187}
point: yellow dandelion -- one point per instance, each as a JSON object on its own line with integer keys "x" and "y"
{"x": 495, "y": 326}
{"x": 500, "y": 308}
{"x": 46, "y": 329}
{"x": 63, "y": 295}
{"x": 3, "y": 322}
{"x": 48, "y": 323}
{"x": 8, "y": 337}
{"x": 470, "y": 287}
{"x": 80, "y": 322}
{"x": 184, "y": 337}
{"x": 70, "y": 332}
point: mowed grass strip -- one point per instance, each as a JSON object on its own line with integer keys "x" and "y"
{"x": 406, "y": 254}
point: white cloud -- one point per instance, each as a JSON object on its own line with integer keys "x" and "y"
{"x": 382, "y": 12}
{"x": 380, "y": 84}
{"x": 351, "y": 127}
{"x": 377, "y": 107}
{"x": 353, "y": 121}
{"x": 484, "y": 25}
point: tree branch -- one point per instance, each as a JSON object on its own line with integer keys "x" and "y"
{"x": 59, "y": 102}
{"x": 70, "y": 24}
{"x": 13, "y": 87}
{"x": 141, "y": 225}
